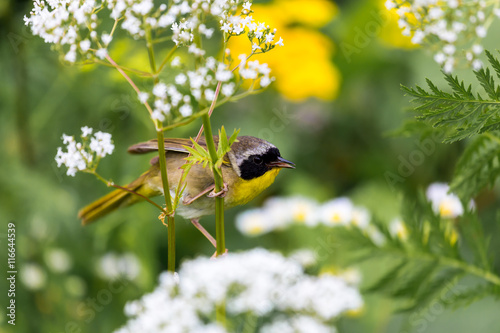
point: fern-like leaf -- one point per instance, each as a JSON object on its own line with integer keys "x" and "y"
{"x": 461, "y": 113}
{"x": 478, "y": 167}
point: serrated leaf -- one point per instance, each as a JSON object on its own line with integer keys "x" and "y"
{"x": 484, "y": 77}
{"x": 409, "y": 282}
{"x": 387, "y": 279}
{"x": 461, "y": 114}
{"x": 477, "y": 168}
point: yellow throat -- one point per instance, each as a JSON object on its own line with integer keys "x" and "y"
{"x": 246, "y": 190}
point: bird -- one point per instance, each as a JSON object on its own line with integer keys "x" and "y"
{"x": 250, "y": 167}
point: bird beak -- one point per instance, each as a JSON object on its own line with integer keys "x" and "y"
{"x": 282, "y": 163}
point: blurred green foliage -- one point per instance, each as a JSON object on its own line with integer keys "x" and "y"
{"x": 340, "y": 148}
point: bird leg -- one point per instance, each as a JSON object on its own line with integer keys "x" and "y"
{"x": 204, "y": 231}
{"x": 207, "y": 235}
{"x": 222, "y": 193}
{"x": 189, "y": 201}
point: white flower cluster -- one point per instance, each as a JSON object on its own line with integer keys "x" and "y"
{"x": 80, "y": 156}
{"x": 260, "y": 35}
{"x": 263, "y": 284}
{"x": 254, "y": 70}
{"x": 445, "y": 204}
{"x": 447, "y": 26}
{"x": 200, "y": 87}
{"x": 112, "y": 266}
{"x": 71, "y": 25}
{"x": 279, "y": 213}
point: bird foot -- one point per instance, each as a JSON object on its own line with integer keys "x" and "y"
{"x": 222, "y": 193}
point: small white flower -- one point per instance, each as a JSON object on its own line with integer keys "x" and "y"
{"x": 112, "y": 266}
{"x": 375, "y": 235}
{"x": 86, "y": 131}
{"x": 449, "y": 65}
{"x": 176, "y": 62}
{"x": 180, "y": 79}
{"x": 252, "y": 223}
{"x": 481, "y": 31}
{"x": 279, "y": 42}
{"x": 33, "y": 276}
{"x": 449, "y": 49}
{"x": 305, "y": 257}
{"x": 228, "y": 89}
{"x": 435, "y": 13}
{"x": 477, "y": 48}
{"x": 160, "y": 90}
{"x": 477, "y": 64}
{"x": 337, "y": 212}
{"x": 265, "y": 81}
{"x": 223, "y": 74}
{"x": 361, "y": 217}
{"x": 101, "y": 144}
{"x": 269, "y": 38}
{"x": 85, "y": 45}
{"x": 101, "y": 53}
{"x": 445, "y": 204}
{"x": 158, "y": 115}
{"x": 186, "y": 110}
{"x": 106, "y": 39}
{"x": 247, "y": 5}
{"x": 418, "y": 37}
{"x": 398, "y": 229}
{"x": 439, "y": 58}
{"x": 389, "y": 4}
{"x": 70, "y": 56}
{"x": 209, "y": 94}
{"x": 143, "y": 97}
{"x": 58, "y": 260}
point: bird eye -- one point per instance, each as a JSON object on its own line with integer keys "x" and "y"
{"x": 257, "y": 160}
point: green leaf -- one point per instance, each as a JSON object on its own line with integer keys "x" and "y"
{"x": 387, "y": 279}
{"x": 478, "y": 167}
{"x": 461, "y": 114}
{"x": 199, "y": 155}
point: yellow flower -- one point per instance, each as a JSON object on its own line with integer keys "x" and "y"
{"x": 391, "y": 32}
{"x": 302, "y": 67}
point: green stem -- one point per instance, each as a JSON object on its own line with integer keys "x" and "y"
{"x": 219, "y": 184}
{"x": 167, "y": 58}
{"x": 451, "y": 262}
{"x": 473, "y": 270}
{"x": 163, "y": 167}
{"x": 168, "y": 201}
{"x": 127, "y": 69}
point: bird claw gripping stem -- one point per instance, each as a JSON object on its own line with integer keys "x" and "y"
{"x": 222, "y": 193}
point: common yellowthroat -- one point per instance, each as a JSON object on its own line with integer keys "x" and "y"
{"x": 248, "y": 168}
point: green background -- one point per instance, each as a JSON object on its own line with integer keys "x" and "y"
{"x": 341, "y": 148}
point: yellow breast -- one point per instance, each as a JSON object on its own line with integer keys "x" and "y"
{"x": 245, "y": 190}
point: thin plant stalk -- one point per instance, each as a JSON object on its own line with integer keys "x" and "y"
{"x": 163, "y": 168}
{"x": 219, "y": 185}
